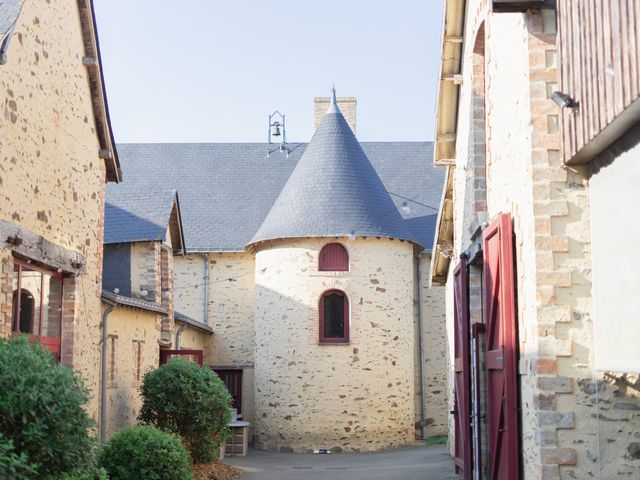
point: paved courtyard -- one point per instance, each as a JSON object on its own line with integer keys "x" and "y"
{"x": 408, "y": 463}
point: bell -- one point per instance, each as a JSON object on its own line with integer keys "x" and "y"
{"x": 276, "y": 129}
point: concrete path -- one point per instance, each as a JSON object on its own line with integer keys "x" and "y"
{"x": 407, "y": 463}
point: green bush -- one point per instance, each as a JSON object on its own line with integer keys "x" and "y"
{"x": 42, "y": 412}
{"x": 145, "y": 452}
{"x": 13, "y": 465}
{"x": 184, "y": 398}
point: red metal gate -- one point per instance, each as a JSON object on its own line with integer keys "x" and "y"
{"x": 194, "y": 356}
{"x": 502, "y": 351}
{"x": 462, "y": 407}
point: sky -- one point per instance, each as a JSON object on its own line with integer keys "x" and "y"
{"x": 213, "y": 70}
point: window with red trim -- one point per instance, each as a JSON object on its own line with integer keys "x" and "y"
{"x": 37, "y": 304}
{"x": 333, "y": 258}
{"x": 334, "y": 317}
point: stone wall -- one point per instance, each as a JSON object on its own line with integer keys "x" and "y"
{"x": 189, "y": 288}
{"x": 569, "y": 411}
{"x": 195, "y": 339}
{"x": 51, "y": 179}
{"x": 230, "y": 311}
{"x": 435, "y": 357}
{"x": 145, "y": 271}
{"x": 349, "y": 397}
{"x": 134, "y": 333}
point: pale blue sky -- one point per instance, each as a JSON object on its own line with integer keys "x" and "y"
{"x": 212, "y": 70}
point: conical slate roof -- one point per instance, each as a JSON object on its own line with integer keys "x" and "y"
{"x": 334, "y": 191}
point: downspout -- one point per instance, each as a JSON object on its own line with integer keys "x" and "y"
{"x": 423, "y": 402}
{"x": 178, "y": 335}
{"x": 205, "y": 294}
{"x": 103, "y": 377}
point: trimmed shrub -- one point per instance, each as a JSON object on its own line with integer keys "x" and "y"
{"x": 42, "y": 411}
{"x": 145, "y": 452}
{"x": 13, "y": 465}
{"x": 184, "y": 398}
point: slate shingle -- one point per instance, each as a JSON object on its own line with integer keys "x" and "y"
{"x": 334, "y": 191}
{"x": 227, "y": 189}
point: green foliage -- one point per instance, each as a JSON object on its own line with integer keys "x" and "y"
{"x": 145, "y": 452}
{"x": 12, "y": 465}
{"x": 184, "y": 398}
{"x": 437, "y": 440}
{"x": 41, "y": 411}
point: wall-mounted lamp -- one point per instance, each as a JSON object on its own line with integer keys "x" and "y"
{"x": 563, "y": 100}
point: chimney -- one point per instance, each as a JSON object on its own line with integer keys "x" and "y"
{"x": 347, "y": 106}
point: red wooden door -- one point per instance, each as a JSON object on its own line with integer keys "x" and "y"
{"x": 502, "y": 351}
{"x": 462, "y": 407}
{"x": 194, "y": 356}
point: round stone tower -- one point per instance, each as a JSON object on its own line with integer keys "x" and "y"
{"x": 334, "y": 303}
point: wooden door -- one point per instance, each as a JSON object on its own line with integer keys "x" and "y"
{"x": 462, "y": 387}
{"x": 501, "y": 351}
{"x": 232, "y": 379}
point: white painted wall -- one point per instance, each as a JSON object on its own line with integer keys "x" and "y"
{"x": 615, "y": 230}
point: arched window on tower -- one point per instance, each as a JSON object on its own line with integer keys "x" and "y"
{"x": 334, "y": 317}
{"x": 333, "y": 258}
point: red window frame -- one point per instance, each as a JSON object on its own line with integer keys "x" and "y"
{"x": 333, "y": 258}
{"x": 345, "y": 336}
{"x": 165, "y": 355}
{"x": 53, "y": 344}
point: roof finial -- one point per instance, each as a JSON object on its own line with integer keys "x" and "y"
{"x": 333, "y": 108}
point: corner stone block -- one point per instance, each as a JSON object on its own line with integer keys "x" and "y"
{"x": 552, "y": 346}
{"x": 550, "y": 472}
{"x": 550, "y": 419}
{"x": 556, "y": 384}
{"x": 559, "y": 456}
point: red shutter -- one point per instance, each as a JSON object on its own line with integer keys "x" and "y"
{"x": 502, "y": 351}
{"x": 462, "y": 408}
{"x": 333, "y": 258}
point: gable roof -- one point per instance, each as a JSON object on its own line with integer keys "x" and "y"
{"x": 227, "y": 189}
{"x": 334, "y": 191}
{"x": 132, "y": 215}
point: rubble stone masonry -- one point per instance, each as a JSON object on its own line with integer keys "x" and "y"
{"x": 51, "y": 179}
{"x": 576, "y": 422}
{"x": 347, "y": 397}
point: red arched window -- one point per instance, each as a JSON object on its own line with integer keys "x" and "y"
{"x": 333, "y": 258}
{"x": 334, "y": 317}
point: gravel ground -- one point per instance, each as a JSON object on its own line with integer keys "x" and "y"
{"x": 216, "y": 471}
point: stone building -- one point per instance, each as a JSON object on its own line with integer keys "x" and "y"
{"x": 56, "y": 154}
{"x": 310, "y": 263}
{"x": 538, "y": 131}
{"x": 142, "y": 327}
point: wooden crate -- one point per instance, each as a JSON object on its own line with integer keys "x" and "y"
{"x": 237, "y": 443}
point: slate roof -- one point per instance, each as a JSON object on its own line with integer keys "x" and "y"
{"x": 227, "y": 189}
{"x": 136, "y": 214}
{"x": 9, "y": 12}
{"x": 334, "y": 191}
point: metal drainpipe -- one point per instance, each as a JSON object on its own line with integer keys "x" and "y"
{"x": 423, "y": 402}
{"x": 178, "y": 334}
{"x": 103, "y": 382}
{"x": 205, "y": 301}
